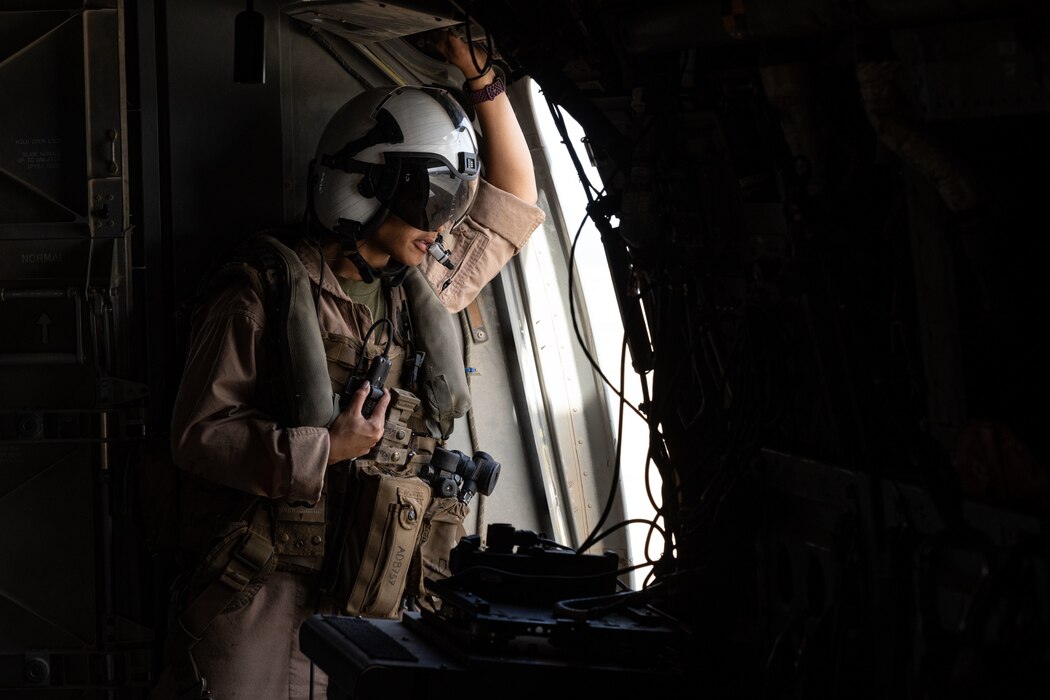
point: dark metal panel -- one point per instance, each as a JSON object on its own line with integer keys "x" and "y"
{"x": 42, "y": 159}
{"x": 67, "y": 401}
{"x": 105, "y": 98}
{"x": 370, "y": 21}
{"x": 47, "y": 534}
{"x": 225, "y": 138}
{"x": 151, "y": 309}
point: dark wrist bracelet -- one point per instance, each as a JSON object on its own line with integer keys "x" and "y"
{"x": 487, "y": 93}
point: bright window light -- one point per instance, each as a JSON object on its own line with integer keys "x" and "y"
{"x": 606, "y": 327}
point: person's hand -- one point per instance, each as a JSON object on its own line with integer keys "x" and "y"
{"x": 458, "y": 53}
{"x": 351, "y": 434}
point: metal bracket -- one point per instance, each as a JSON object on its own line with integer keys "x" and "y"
{"x": 478, "y": 332}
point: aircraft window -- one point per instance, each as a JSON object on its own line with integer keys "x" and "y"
{"x": 605, "y": 327}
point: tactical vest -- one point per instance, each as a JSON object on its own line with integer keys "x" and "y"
{"x": 378, "y": 530}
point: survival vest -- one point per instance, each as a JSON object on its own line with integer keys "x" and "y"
{"x": 378, "y": 529}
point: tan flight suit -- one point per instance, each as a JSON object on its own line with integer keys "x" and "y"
{"x": 220, "y": 434}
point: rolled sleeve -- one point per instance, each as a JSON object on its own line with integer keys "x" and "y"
{"x": 506, "y": 216}
{"x": 308, "y": 449}
{"x": 496, "y": 229}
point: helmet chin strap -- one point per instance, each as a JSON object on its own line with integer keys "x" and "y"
{"x": 348, "y": 232}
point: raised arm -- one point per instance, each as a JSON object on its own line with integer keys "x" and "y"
{"x": 508, "y": 163}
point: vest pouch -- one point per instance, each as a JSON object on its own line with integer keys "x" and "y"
{"x": 237, "y": 565}
{"x": 443, "y": 384}
{"x": 299, "y": 535}
{"x": 342, "y": 354}
{"x": 442, "y": 530}
{"x": 385, "y": 522}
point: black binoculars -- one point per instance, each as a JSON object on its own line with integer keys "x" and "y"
{"x": 453, "y": 473}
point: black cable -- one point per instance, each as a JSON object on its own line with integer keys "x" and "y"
{"x": 633, "y": 521}
{"x": 649, "y": 578}
{"x": 576, "y": 326}
{"x": 555, "y": 545}
{"x": 320, "y": 278}
{"x": 321, "y": 37}
{"x": 559, "y": 123}
{"x": 690, "y": 357}
{"x": 491, "y": 573}
{"x": 654, "y": 430}
{"x": 615, "y": 482}
{"x": 364, "y": 342}
{"x": 482, "y": 70}
{"x": 596, "y": 607}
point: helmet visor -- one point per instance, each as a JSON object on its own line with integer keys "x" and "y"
{"x": 431, "y": 194}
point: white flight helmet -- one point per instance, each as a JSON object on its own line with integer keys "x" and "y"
{"x": 409, "y": 150}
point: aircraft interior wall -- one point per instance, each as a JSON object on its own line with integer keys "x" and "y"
{"x": 824, "y": 226}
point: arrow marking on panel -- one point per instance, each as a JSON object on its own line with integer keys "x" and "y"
{"x": 45, "y": 323}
